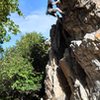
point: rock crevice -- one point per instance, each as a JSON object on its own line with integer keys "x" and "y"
{"x": 73, "y": 70}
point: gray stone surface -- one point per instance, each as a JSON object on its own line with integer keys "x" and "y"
{"x": 73, "y": 70}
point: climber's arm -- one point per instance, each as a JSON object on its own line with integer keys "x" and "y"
{"x": 54, "y": 3}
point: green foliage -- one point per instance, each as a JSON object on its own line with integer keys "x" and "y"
{"x": 34, "y": 49}
{"x": 6, "y": 24}
{"x": 22, "y": 68}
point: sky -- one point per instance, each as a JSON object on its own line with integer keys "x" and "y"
{"x": 34, "y": 19}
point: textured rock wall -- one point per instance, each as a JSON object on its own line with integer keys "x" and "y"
{"x": 54, "y": 86}
{"x": 73, "y": 70}
{"x": 81, "y": 16}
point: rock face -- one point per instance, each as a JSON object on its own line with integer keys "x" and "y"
{"x": 54, "y": 86}
{"x": 73, "y": 70}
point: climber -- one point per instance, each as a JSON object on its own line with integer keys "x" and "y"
{"x": 51, "y": 10}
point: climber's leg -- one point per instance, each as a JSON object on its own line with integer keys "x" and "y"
{"x": 59, "y": 10}
{"x": 52, "y": 12}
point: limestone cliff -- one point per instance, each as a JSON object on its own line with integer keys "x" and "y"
{"x": 73, "y": 69}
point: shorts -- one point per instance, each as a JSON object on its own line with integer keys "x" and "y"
{"x": 51, "y": 10}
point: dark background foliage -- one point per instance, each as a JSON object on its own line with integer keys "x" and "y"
{"x": 22, "y": 69}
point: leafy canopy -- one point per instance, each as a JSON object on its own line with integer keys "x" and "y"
{"x": 19, "y": 68}
{"x": 6, "y": 24}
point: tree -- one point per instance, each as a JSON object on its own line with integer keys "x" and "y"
{"x": 6, "y": 24}
{"x": 18, "y": 70}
